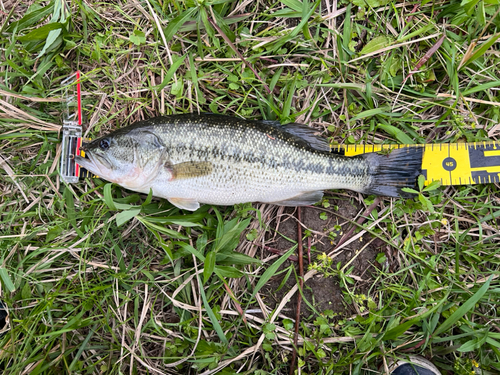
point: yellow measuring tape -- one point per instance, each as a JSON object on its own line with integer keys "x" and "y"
{"x": 449, "y": 163}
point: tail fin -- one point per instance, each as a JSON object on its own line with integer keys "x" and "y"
{"x": 394, "y": 171}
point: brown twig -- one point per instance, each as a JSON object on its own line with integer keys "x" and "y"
{"x": 301, "y": 286}
{"x": 291, "y": 258}
{"x": 415, "y": 7}
{"x": 360, "y": 221}
{"x": 426, "y": 57}
{"x": 228, "y": 41}
{"x": 236, "y": 303}
{"x": 416, "y": 346}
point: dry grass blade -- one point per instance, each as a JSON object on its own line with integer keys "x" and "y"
{"x": 8, "y": 94}
{"x": 10, "y": 111}
{"x": 10, "y": 172}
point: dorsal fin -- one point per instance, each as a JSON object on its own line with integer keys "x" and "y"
{"x": 303, "y": 132}
{"x": 308, "y": 134}
{"x": 271, "y": 122}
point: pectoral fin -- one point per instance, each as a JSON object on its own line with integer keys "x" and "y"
{"x": 185, "y": 204}
{"x": 303, "y": 199}
{"x": 190, "y": 169}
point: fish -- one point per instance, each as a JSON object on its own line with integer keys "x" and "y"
{"x": 194, "y": 159}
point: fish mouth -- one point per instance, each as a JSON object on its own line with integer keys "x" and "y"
{"x": 94, "y": 164}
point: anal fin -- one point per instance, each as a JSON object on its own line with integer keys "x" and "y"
{"x": 303, "y": 199}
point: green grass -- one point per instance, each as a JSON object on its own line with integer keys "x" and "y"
{"x": 100, "y": 280}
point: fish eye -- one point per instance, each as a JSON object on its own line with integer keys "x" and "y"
{"x": 104, "y": 144}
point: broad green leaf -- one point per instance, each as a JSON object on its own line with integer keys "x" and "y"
{"x": 480, "y": 14}
{"x": 138, "y": 37}
{"x": 149, "y": 198}
{"x": 370, "y": 113}
{"x": 6, "y": 280}
{"x": 51, "y": 41}
{"x": 491, "y": 216}
{"x": 426, "y": 203}
{"x": 464, "y": 309}
{"x": 346, "y": 33}
{"x": 192, "y": 250}
{"x": 26, "y": 291}
{"x": 480, "y": 88}
{"x": 294, "y": 4}
{"x": 212, "y": 316}
{"x": 31, "y": 18}
{"x": 169, "y": 232}
{"x": 376, "y": 44}
{"x": 231, "y": 238}
{"x": 397, "y": 331}
{"x": 126, "y": 215}
{"x": 108, "y": 198}
{"x": 236, "y": 258}
{"x": 271, "y": 271}
{"x": 209, "y": 266}
{"x": 177, "y": 88}
{"x": 177, "y": 22}
{"x": 53, "y": 233}
{"x": 396, "y": 133}
{"x": 492, "y": 342}
{"x": 409, "y": 190}
{"x": 469, "y": 5}
{"x": 433, "y": 186}
{"x": 123, "y": 206}
{"x": 421, "y": 182}
{"x": 170, "y": 73}
{"x": 288, "y": 102}
{"x": 41, "y": 33}
{"x": 285, "y": 13}
{"x": 473, "y": 344}
{"x": 228, "y": 271}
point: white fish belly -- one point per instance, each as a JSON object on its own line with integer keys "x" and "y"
{"x": 251, "y": 182}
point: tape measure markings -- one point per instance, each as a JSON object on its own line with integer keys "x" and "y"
{"x": 449, "y": 163}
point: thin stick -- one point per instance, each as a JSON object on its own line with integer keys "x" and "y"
{"x": 301, "y": 287}
{"x": 291, "y": 258}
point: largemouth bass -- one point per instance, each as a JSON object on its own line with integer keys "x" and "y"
{"x": 194, "y": 159}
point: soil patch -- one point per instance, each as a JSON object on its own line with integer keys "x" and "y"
{"x": 325, "y": 229}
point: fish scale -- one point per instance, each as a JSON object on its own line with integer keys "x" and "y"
{"x": 192, "y": 159}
